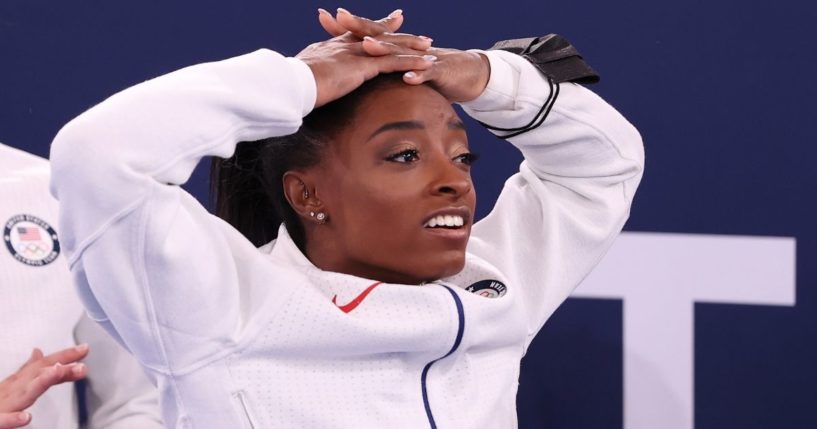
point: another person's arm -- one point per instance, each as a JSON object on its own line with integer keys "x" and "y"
{"x": 21, "y": 389}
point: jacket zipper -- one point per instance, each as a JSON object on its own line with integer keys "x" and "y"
{"x": 457, "y": 341}
{"x": 240, "y": 395}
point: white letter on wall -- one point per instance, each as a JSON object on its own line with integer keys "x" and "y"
{"x": 660, "y": 277}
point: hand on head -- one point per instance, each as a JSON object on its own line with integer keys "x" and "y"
{"x": 361, "y": 49}
{"x": 343, "y": 63}
{"x": 356, "y": 27}
{"x": 21, "y": 389}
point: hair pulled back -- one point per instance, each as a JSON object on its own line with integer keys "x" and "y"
{"x": 247, "y": 189}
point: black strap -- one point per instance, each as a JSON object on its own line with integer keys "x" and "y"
{"x": 558, "y": 60}
{"x": 554, "y": 56}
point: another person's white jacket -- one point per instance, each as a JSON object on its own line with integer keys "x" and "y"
{"x": 39, "y": 308}
{"x": 240, "y": 337}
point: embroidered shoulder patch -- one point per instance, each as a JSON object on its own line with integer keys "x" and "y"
{"x": 31, "y": 240}
{"x": 488, "y": 288}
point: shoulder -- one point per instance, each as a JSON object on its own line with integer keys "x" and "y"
{"x": 15, "y": 162}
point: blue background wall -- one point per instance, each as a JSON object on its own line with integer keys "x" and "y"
{"x": 723, "y": 93}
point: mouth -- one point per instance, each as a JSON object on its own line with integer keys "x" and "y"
{"x": 450, "y": 223}
{"x": 445, "y": 221}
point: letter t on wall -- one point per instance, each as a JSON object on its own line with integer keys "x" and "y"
{"x": 660, "y": 277}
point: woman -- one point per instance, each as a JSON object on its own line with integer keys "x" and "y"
{"x": 376, "y": 304}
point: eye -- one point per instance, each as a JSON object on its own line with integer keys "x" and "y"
{"x": 468, "y": 158}
{"x": 404, "y": 156}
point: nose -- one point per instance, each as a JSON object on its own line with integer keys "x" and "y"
{"x": 450, "y": 179}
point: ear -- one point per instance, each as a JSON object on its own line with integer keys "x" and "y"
{"x": 300, "y": 192}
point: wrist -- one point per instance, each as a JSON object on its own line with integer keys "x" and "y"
{"x": 308, "y": 83}
{"x": 484, "y": 74}
{"x": 499, "y": 91}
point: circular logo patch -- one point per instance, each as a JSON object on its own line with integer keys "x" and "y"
{"x": 488, "y": 288}
{"x": 31, "y": 240}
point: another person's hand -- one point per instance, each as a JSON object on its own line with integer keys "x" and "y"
{"x": 343, "y": 63}
{"x": 458, "y": 75}
{"x": 21, "y": 389}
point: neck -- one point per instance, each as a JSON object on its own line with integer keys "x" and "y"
{"x": 329, "y": 254}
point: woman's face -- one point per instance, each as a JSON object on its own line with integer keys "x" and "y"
{"x": 396, "y": 186}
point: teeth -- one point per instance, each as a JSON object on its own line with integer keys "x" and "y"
{"x": 447, "y": 220}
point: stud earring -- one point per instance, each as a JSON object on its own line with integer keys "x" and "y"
{"x": 320, "y": 217}
{"x": 306, "y": 194}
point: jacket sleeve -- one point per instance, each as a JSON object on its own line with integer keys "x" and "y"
{"x": 117, "y": 170}
{"x": 556, "y": 218}
{"x": 118, "y": 394}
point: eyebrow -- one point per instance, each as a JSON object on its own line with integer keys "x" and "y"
{"x": 454, "y": 124}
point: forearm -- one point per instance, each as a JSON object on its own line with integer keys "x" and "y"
{"x": 156, "y": 132}
{"x": 564, "y": 131}
{"x": 556, "y": 219}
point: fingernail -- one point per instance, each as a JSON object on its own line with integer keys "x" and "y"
{"x": 342, "y": 10}
{"x": 426, "y": 38}
{"x": 324, "y": 12}
{"x": 77, "y": 369}
{"x": 410, "y": 75}
{"x": 396, "y": 13}
{"x": 431, "y": 58}
{"x": 23, "y": 417}
{"x": 373, "y": 40}
{"x": 81, "y": 348}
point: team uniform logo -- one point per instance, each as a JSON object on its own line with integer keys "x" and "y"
{"x": 347, "y": 308}
{"x": 488, "y": 288}
{"x": 31, "y": 240}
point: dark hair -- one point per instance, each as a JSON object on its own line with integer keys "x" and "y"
{"x": 247, "y": 189}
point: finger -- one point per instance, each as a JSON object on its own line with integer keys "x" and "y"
{"x": 418, "y": 77}
{"x": 329, "y": 23}
{"x": 420, "y": 43}
{"x": 393, "y": 21}
{"x": 45, "y": 378}
{"x": 36, "y": 355}
{"x": 358, "y": 25}
{"x": 14, "y": 420}
{"x": 72, "y": 372}
{"x": 31, "y": 366}
{"x": 377, "y": 48}
{"x": 400, "y": 63}
{"x": 66, "y": 356}
{"x": 35, "y": 386}
{"x": 51, "y": 376}
{"x": 30, "y": 387}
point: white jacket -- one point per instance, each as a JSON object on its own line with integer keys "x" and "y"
{"x": 39, "y": 308}
{"x": 245, "y": 337}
